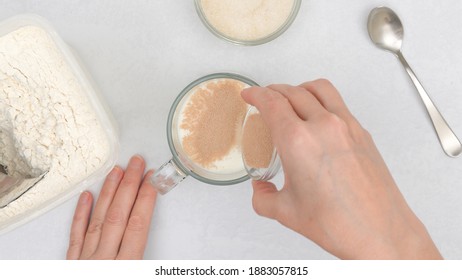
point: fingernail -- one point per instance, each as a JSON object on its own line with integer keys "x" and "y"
{"x": 137, "y": 161}
{"x": 115, "y": 173}
{"x": 149, "y": 173}
{"x": 84, "y": 198}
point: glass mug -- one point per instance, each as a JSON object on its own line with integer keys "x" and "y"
{"x": 181, "y": 165}
{"x": 170, "y": 174}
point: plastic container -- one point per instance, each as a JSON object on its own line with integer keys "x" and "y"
{"x": 100, "y": 108}
{"x": 248, "y": 42}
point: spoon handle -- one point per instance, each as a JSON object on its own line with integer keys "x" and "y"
{"x": 451, "y": 145}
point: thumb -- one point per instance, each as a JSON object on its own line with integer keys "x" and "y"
{"x": 265, "y": 199}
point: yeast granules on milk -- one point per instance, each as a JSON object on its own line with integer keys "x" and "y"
{"x": 213, "y": 118}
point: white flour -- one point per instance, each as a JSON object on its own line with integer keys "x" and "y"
{"x": 247, "y": 19}
{"x": 46, "y": 121}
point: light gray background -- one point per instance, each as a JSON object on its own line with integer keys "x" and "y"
{"x": 142, "y": 55}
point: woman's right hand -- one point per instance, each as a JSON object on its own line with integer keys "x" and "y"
{"x": 338, "y": 191}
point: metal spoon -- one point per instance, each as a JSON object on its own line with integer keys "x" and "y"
{"x": 386, "y": 31}
{"x": 12, "y": 188}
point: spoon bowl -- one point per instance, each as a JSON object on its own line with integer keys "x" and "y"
{"x": 385, "y": 29}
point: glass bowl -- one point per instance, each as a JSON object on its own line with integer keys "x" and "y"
{"x": 260, "y": 157}
{"x": 246, "y": 41}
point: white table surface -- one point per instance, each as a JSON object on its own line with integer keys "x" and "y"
{"x": 142, "y": 56}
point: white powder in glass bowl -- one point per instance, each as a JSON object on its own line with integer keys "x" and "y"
{"x": 47, "y": 122}
{"x": 247, "y": 20}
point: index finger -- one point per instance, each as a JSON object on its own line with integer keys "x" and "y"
{"x": 275, "y": 110}
{"x": 329, "y": 97}
{"x": 136, "y": 233}
{"x": 118, "y": 213}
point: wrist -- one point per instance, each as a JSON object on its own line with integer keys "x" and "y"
{"x": 419, "y": 245}
{"x": 410, "y": 243}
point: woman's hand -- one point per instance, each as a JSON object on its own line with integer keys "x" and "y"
{"x": 119, "y": 225}
{"x": 338, "y": 191}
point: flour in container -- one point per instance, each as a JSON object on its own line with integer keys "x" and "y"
{"x": 46, "y": 120}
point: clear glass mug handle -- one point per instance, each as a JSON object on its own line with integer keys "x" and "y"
{"x": 167, "y": 177}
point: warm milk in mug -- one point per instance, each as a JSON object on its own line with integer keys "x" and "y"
{"x": 203, "y": 131}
